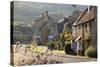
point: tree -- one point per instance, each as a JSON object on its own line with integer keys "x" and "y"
{"x": 66, "y": 36}
{"x": 66, "y": 39}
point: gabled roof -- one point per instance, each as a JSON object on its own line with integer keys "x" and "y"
{"x": 85, "y": 16}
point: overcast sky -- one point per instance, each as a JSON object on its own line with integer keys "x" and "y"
{"x": 26, "y": 11}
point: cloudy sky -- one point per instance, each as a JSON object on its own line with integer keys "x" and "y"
{"x": 26, "y": 11}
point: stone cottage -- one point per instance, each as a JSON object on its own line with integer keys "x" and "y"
{"x": 45, "y": 26}
{"x": 86, "y": 27}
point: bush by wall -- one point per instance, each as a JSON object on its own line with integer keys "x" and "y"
{"x": 91, "y": 52}
{"x": 67, "y": 48}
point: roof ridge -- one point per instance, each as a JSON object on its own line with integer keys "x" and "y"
{"x": 80, "y": 16}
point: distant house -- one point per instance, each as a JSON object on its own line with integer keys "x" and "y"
{"x": 61, "y": 24}
{"x": 52, "y": 37}
{"x": 86, "y": 27}
{"x": 45, "y": 26}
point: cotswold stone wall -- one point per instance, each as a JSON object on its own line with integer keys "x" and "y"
{"x": 94, "y": 30}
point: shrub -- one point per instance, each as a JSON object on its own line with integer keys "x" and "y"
{"x": 60, "y": 45}
{"x": 67, "y": 48}
{"x": 91, "y": 52}
{"x": 57, "y": 45}
{"x": 51, "y": 45}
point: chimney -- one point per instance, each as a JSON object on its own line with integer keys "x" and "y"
{"x": 46, "y": 13}
{"x": 42, "y": 14}
{"x": 88, "y": 8}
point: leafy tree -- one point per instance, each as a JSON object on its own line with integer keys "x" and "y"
{"x": 66, "y": 36}
{"x": 66, "y": 39}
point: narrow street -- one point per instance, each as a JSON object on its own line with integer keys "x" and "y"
{"x": 73, "y": 59}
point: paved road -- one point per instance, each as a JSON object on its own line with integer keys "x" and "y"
{"x": 71, "y": 59}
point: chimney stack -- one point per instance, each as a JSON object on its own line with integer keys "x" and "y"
{"x": 42, "y": 14}
{"x": 46, "y": 13}
{"x": 88, "y": 8}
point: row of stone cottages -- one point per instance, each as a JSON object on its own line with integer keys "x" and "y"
{"x": 85, "y": 27}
